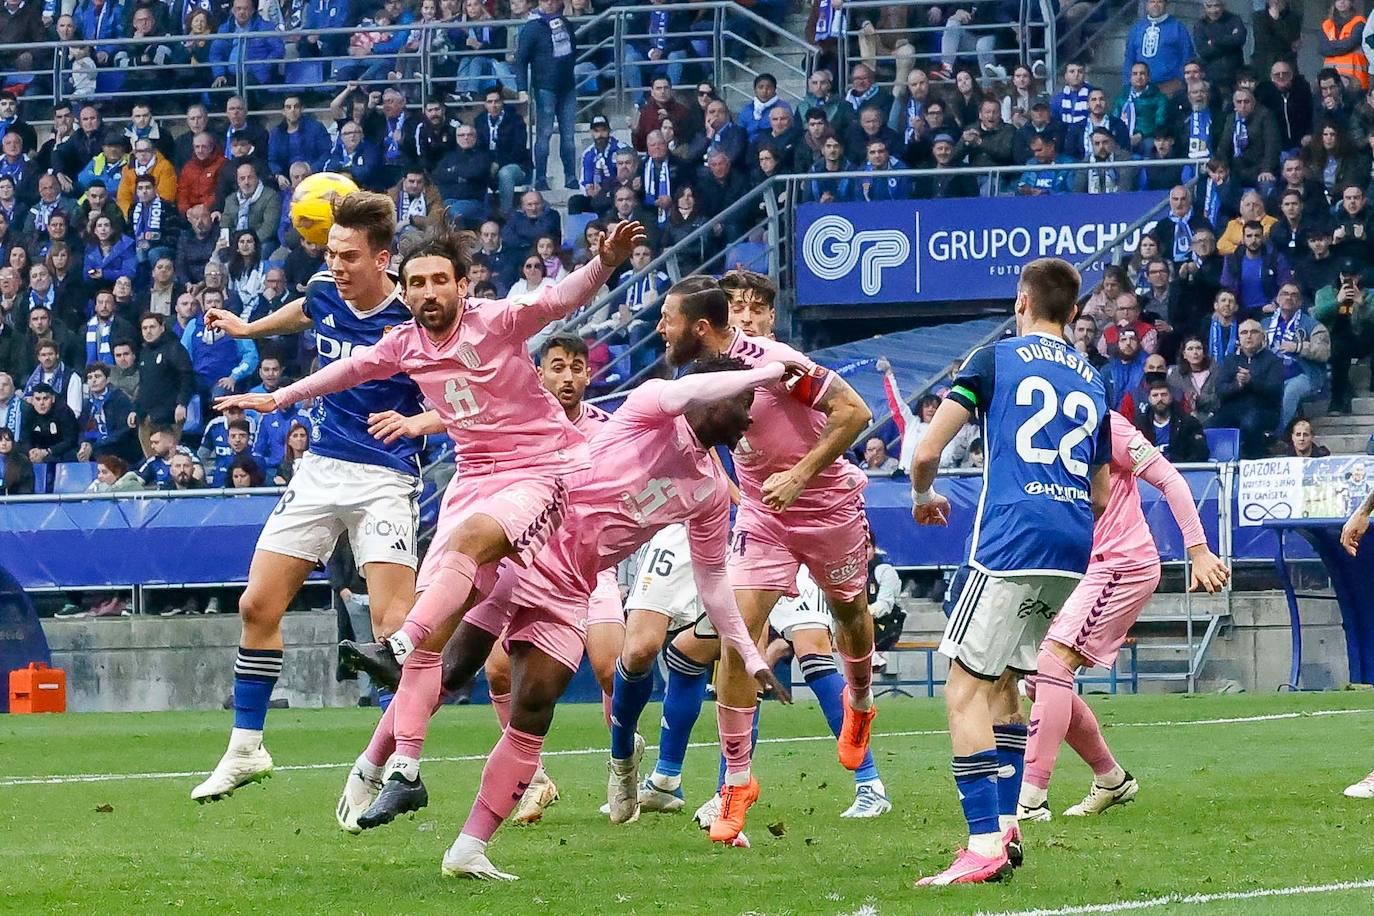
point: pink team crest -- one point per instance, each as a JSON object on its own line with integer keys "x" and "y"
{"x": 467, "y": 355}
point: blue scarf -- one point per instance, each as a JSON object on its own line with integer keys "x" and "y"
{"x": 58, "y": 381}
{"x": 658, "y": 29}
{"x": 1221, "y": 344}
{"x": 1183, "y": 236}
{"x": 393, "y": 146}
{"x": 1240, "y": 138}
{"x": 657, "y": 183}
{"x": 46, "y": 301}
{"x": 1128, "y": 111}
{"x": 1211, "y": 202}
{"x": 829, "y": 21}
{"x": 10, "y": 416}
{"x": 102, "y": 428}
{"x": 98, "y": 341}
{"x": 558, "y": 31}
{"x": 41, "y": 212}
{"x": 148, "y": 219}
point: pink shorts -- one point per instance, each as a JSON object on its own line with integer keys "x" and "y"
{"x": 767, "y": 548}
{"x": 1102, "y": 609}
{"x": 528, "y": 504}
{"x": 605, "y": 605}
{"x": 526, "y": 607}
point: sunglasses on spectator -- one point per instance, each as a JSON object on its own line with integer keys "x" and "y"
{"x": 532, "y": 264}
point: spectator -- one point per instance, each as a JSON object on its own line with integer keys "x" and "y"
{"x": 52, "y": 373}
{"x": 863, "y": 90}
{"x": 598, "y": 164}
{"x": 356, "y": 157}
{"x": 104, "y": 423}
{"x": 1354, "y": 232}
{"x": 1288, "y": 97}
{"x": 1141, "y": 107}
{"x": 1019, "y": 96}
{"x": 1249, "y": 390}
{"x": 840, "y": 190}
{"x": 195, "y": 248}
{"x": 104, "y": 330}
{"x": 50, "y": 201}
{"x": 544, "y": 61}
{"x": 721, "y": 135}
{"x": 418, "y": 204}
{"x": 1303, "y": 345}
{"x": 1252, "y": 210}
{"x": 1220, "y": 193}
{"x": 966, "y": 96}
{"x": 1161, "y": 42}
{"x": 11, "y": 404}
{"x": 1346, "y": 308}
{"x": 166, "y": 381}
{"x": 1277, "y": 28}
{"x": 237, "y": 442}
{"x": 783, "y": 137}
{"x": 435, "y": 137}
{"x": 112, "y": 475}
{"x": 1128, "y": 315}
{"x": 1220, "y": 41}
{"x": 1040, "y": 180}
{"x": 70, "y": 157}
{"x": 1249, "y": 141}
{"x": 1193, "y": 381}
{"x": 148, "y": 160}
{"x": 1071, "y": 103}
{"x": 297, "y": 445}
{"x": 254, "y": 206}
{"x": 877, "y": 188}
{"x": 1040, "y": 123}
{"x": 1085, "y": 339}
{"x": 810, "y": 148}
{"x": 1255, "y": 271}
{"x": 49, "y": 429}
{"x": 662, "y": 105}
{"x": 197, "y": 122}
{"x": 1175, "y": 433}
{"x": 1175, "y": 232}
{"x": 295, "y": 139}
{"x": 839, "y": 114}
{"x": 1340, "y": 44}
{"x": 1333, "y": 101}
{"x": 1289, "y": 236}
{"x": 220, "y": 362}
{"x": 1078, "y": 138}
{"x": 718, "y": 186}
{"x": 502, "y": 133}
{"x": 535, "y": 218}
{"x": 1126, "y": 367}
{"x": 1197, "y": 123}
{"x": 1137, "y": 400}
{"x": 534, "y": 277}
{"x": 661, "y": 178}
{"x": 753, "y": 116}
{"x": 988, "y": 141}
{"x": 160, "y": 295}
{"x": 662, "y": 48}
{"x": 1111, "y": 178}
{"x": 16, "y": 471}
{"x": 1293, "y": 176}
{"x": 943, "y": 187}
{"x": 870, "y": 127}
{"x": 958, "y": 38}
{"x": 110, "y": 255}
{"x": 877, "y": 462}
{"x": 182, "y": 474}
{"x": 259, "y": 53}
{"x": 1333, "y": 160}
{"x": 199, "y": 180}
{"x": 1300, "y": 442}
{"x": 1319, "y": 268}
{"x": 463, "y": 177}
{"x": 244, "y": 472}
{"x": 397, "y": 146}
{"x": 1104, "y": 300}
{"x": 124, "y": 373}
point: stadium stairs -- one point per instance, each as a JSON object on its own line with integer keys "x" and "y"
{"x": 1349, "y": 435}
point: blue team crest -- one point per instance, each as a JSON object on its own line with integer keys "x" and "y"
{"x": 467, "y": 355}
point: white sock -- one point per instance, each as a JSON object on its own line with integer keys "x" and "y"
{"x": 539, "y": 775}
{"x": 1006, "y": 821}
{"x": 245, "y": 739}
{"x": 367, "y": 768}
{"x": 467, "y": 845}
{"x": 987, "y": 845}
{"x": 1109, "y": 780}
{"x": 740, "y": 778}
{"x": 861, "y": 703}
{"x": 401, "y": 646}
{"x": 408, "y": 767}
{"x": 875, "y": 784}
{"x": 666, "y": 783}
{"x": 1033, "y": 796}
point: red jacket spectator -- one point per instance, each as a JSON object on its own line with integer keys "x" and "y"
{"x": 198, "y": 181}
{"x": 652, "y": 114}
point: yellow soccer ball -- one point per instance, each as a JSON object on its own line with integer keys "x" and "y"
{"x": 311, "y": 204}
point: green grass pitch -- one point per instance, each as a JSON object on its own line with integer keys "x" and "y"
{"x": 1225, "y": 807}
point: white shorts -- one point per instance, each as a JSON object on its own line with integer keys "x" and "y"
{"x": 998, "y": 622}
{"x": 378, "y": 508}
{"x": 807, "y": 611}
{"x": 665, "y": 583}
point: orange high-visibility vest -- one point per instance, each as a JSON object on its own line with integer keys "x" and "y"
{"x": 1352, "y": 66}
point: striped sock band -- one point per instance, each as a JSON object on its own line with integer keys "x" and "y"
{"x": 255, "y": 674}
{"x": 678, "y": 661}
{"x": 814, "y": 666}
{"x": 258, "y": 663}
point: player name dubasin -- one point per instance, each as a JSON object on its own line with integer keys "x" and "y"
{"x": 1061, "y": 355}
{"x": 1058, "y": 241}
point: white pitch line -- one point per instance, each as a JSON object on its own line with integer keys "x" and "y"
{"x": 1122, "y": 906}
{"x": 72, "y": 778}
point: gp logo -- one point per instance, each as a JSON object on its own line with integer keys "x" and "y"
{"x": 831, "y": 249}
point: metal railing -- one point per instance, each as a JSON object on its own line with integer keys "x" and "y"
{"x": 1029, "y": 38}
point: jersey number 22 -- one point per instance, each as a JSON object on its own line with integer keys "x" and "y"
{"x": 1074, "y": 403}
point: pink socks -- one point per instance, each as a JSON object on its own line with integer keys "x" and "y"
{"x": 1049, "y": 719}
{"x": 444, "y": 597}
{"x": 416, "y": 696}
{"x": 500, "y": 704}
{"x": 858, "y": 673}
{"x": 736, "y": 730}
{"x": 1085, "y": 737}
{"x": 508, "y": 772}
{"x": 606, "y": 708}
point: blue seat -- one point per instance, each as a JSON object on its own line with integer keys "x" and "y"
{"x": 40, "y": 478}
{"x": 73, "y": 476}
{"x": 1223, "y": 444}
{"x": 749, "y": 255}
{"x": 573, "y": 227}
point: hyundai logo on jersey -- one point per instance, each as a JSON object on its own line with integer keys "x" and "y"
{"x": 937, "y": 250}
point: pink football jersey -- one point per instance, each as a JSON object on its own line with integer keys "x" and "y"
{"x": 786, "y": 426}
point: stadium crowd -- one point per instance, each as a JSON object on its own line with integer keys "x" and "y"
{"x": 155, "y": 194}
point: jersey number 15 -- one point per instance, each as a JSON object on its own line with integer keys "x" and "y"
{"x": 1074, "y": 403}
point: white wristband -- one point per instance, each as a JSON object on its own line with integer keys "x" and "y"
{"x": 920, "y": 498}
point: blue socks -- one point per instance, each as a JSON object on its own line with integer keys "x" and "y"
{"x": 631, "y": 695}
{"x": 384, "y": 697}
{"x": 1011, "y": 759}
{"x": 255, "y": 674}
{"x": 828, "y": 685}
{"x": 975, "y": 776}
{"x": 681, "y": 706}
